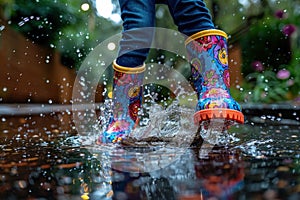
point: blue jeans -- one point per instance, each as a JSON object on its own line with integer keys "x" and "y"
{"x": 191, "y": 16}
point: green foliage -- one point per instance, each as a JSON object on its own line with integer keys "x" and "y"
{"x": 272, "y": 41}
{"x": 43, "y": 21}
{"x": 266, "y": 43}
{"x": 62, "y": 25}
{"x": 265, "y": 87}
{"x": 295, "y": 72}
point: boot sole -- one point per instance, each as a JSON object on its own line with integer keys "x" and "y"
{"x": 218, "y": 113}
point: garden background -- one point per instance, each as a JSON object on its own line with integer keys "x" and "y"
{"x": 263, "y": 40}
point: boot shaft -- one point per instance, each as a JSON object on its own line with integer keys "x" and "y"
{"x": 208, "y": 55}
{"x": 127, "y": 91}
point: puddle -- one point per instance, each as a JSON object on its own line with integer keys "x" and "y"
{"x": 41, "y": 158}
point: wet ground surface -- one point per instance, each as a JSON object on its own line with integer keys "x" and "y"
{"x": 41, "y": 158}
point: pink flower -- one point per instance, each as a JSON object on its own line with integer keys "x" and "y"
{"x": 216, "y": 93}
{"x": 257, "y": 66}
{"x": 290, "y": 82}
{"x": 226, "y": 78}
{"x": 207, "y": 42}
{"x": 283, "y": 74}
{"x": 288, "y": 29}
{"x": 280, "y": 14}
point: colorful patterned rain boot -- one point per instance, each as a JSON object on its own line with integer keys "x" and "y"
{"x": 207, "y": 52}
{"x": 127, "y": 99}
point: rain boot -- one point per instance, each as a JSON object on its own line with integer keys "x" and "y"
{"x": 127, "y": 99}
{"x": 207, "y": 51}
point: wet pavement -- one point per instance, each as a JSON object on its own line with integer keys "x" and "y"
{"x": 41, "y": 158}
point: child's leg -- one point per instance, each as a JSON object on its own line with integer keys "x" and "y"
{"x": 135, "y": 43}
{"x": 191, "y": 16}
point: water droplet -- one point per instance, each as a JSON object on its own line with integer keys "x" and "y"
{"x": 20, "y": 184}
{"x": 2, "y": 27}
{"x": 85, "y": 7}
{"x": 21, "y": 23}
{"x": 14, "y": 171}
{"x": 111, "y": 46}
{"x": 4, "y": 89}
